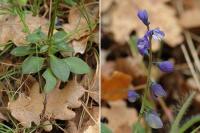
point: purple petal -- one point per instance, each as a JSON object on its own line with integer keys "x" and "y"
{"x": 153, "y": 120}
{"x": 166, "y": 66}
{"x": 158, "y": 34}
{"x": 157, "y": 90}
{"x": 143, "y": 45}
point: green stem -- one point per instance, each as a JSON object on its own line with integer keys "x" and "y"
{"x": 8, "y": 74}
{"x": 142, "y": 110}
{"x": 175, "y": 125}
{"x": 21, "y": 15}
{"x": 36, "y": 7}
{"x": 6, "y": 49}
{"x": 53, "y": 19}
{"x": 189, "y": 123}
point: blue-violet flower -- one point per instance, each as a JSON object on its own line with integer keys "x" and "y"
{"x": 132, "y": 96}
{"x": 143, "y": 16}
{"x": 153, "y": 120}
{"x": 143, "y": 45}
{"x": 156, "y": 34}
{"x": 157, "y": 90}
{"x": 166, "y": 66}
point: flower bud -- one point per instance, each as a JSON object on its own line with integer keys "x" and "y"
{"x": 153, "y": 120}
{"x": 157, "y": 90}
{"x": 143, "y": 16}
{"x": 165, "y": 66}
{"x": 132, "y": 96}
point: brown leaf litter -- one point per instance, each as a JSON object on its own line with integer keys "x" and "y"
{"x": 27, "y": 109}
{"x": 11, "y": 28}
{"x": 116, "y": 122}
{"x": 81, "y": 27}
{"x": 122, "y": 16}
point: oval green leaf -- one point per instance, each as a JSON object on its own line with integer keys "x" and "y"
{"x": 22, "y": 51}
{"x": 59, "y": 68}
{"x": 32, "y": 65}
{"x": 50, "y": 81}
{"x": 77, "y": 65}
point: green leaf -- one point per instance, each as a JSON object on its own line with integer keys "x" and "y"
{"x": 44, "y": 48}
{"x": 77, "y": 65}
{"x": 50, "y": 80}
{"x": 32, "y": 65}
{"x": 22, "y": 51}
{"x": 36, "y": 36}
{"x": 59, "y": 43}
{"x": 64, "y": 47}
{"x": 133, "y": 46}
{"x": 71, "y": 2}
{"x": 105, "y": 129}
{"x": 59, "y": 36}
{"x": 59, "y": 68}
{"x": 137, "y": 128}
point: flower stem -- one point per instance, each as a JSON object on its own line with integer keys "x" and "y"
{"x": 142, "y": 110}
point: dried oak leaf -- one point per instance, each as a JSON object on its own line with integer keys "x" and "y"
{"x": 116, "y": 86}
{"x": 122, "y": 19}
{"x": 60, "y": 100}
{"x": 27, "y": 109}
{"x": 132, "y": 66}
{"x": 79, "y": 27}
{"x": 11, "y": 28}
{"x": 116, "y": 121}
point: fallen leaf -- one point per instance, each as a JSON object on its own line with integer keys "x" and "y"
{"x": 190, "y": 18}
{"x": 60, "y": 100}
{"x": 92, "y": 129}
{"x": 131, "y": 66}
{"x": 11, "y": 28}
{"x": 80, "y": 28}
{"x": 78, "y": 24}
{"x": 27, "y": 109}
{"x": 116, "y": 86}
{"x": 114, "y": 116}
{"x": 80, "y": 46}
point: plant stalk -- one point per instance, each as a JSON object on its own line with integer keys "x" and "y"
{"x": 142, "y": 110}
